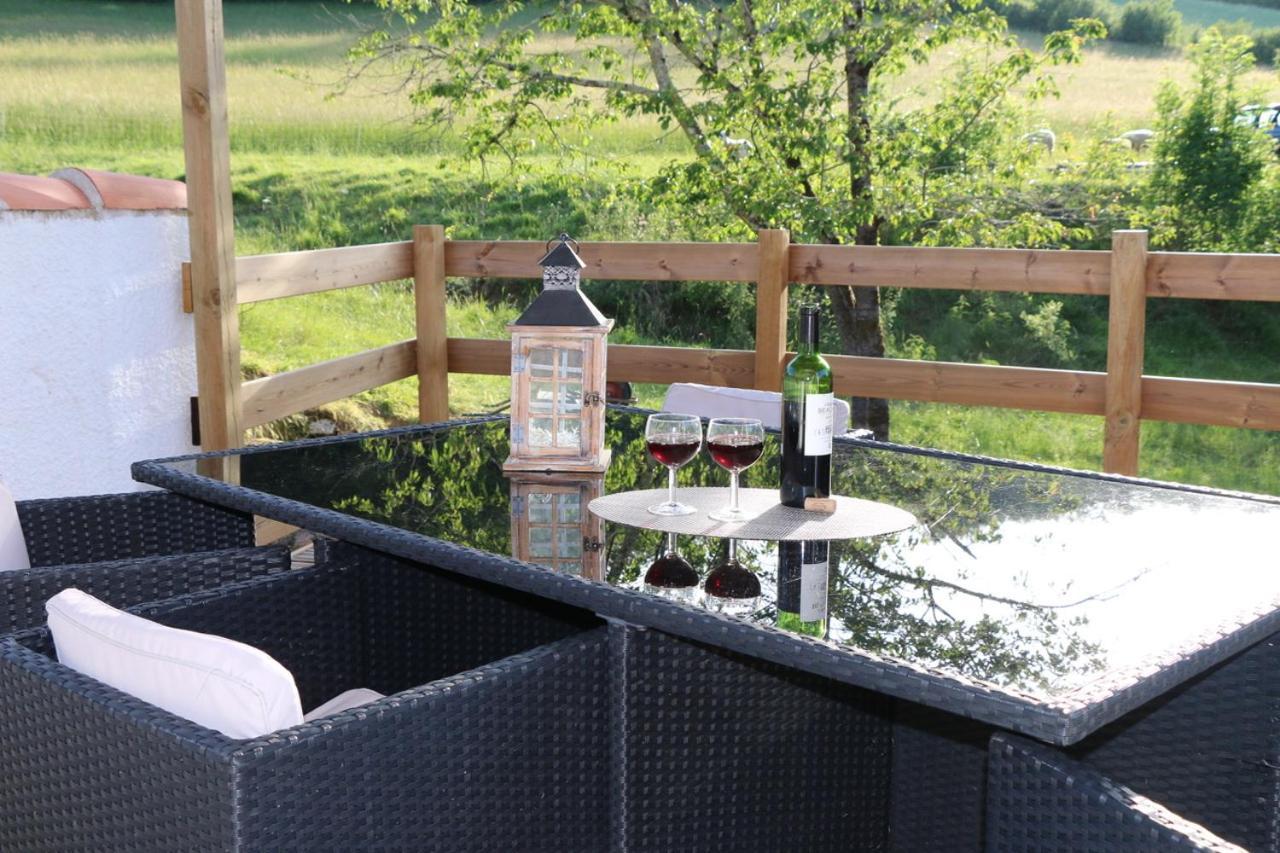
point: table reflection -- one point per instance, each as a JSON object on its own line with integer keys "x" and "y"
{"x": 1032, "y": 580}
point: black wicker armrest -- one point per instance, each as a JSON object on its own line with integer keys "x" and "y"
{"x": 123, "y": 583}
{"x": 1040, "y": 800}
{"x": 135, "y": 524}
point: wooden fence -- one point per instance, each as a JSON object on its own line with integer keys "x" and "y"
{"x": 1128, "y": 274}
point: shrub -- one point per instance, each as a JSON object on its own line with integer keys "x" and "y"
{"x": 1266, "y": 43}
{"x": 1148, "y": 22}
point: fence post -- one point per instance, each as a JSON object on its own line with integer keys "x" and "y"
{"x": 771, "y": 307}
{"x": 433, "y": 335}
{"x": 1126, "y": 335}
{"x": 202, "y": 74}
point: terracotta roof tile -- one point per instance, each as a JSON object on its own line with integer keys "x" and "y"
{"x": 112, "y": 191}
{"x": 25, "y": 192}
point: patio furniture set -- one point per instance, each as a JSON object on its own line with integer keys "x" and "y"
{"x": 1050, "y": 660}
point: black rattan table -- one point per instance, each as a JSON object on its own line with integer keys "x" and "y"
{"x": 1130, "y": 622}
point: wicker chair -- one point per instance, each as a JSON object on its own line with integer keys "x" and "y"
{"x": 94, "y": 529}
{"x": 493, "y": 736}
{"x": 123, "y": 583}
{"x": 1038, "y": 799}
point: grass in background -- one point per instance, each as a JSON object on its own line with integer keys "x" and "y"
{"x": 94, "y": 84}
{"x": 1204, "y": 13}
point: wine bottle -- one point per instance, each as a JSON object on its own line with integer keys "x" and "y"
{"x": 803, "y": 569}
{"x": 807, "y": 412}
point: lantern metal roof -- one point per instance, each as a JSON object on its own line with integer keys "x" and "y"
{"x": 561, "y": 303}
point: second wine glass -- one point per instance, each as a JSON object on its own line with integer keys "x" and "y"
{"x": 735, "y": 444}
{"x": 673, "y": 440}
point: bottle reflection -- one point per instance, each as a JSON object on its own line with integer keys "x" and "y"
{"x": 671, "y": 576}
{"x": 803, "y": 576}
{"x": 732, "y": 588}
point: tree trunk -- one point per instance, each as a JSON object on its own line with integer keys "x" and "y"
{"x": 857, "y": 309}
{"x": 857, "y": 316}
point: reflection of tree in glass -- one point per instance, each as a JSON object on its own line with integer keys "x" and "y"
{"x": 883, "y": 595}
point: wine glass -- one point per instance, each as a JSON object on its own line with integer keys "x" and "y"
{"x": 673, "y": 440}
{"x": 735, "y": 444}
{"x": 731, "y": 587}
{"x": 671, "y": 575}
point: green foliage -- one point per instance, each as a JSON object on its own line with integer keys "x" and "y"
{"x": 1208, "y": 167}
{"x": 1148, "y": 22}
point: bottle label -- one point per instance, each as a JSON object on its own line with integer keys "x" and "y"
{"x": 818, "y": 414}
{"x": 813, "y": 591}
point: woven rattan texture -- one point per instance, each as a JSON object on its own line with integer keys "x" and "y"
{"x": 123, "y": 583}
{"x": 938, "y": 796}
{"x": 473, "y": 623}
{"x": 509, "y": 755}
{"x": 117, "y": 527}
{"x": 87, "y": 768}
{"x": 1209, "y": 750}
{"x": 1040, "y": 800}
{"x": 725, "y": 753}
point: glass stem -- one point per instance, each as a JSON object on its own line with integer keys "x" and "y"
{"x": 733, "y": 550}
{"x": 671, "y": 485}
{"x": 671, "y": 544}
{"x": 733, "y": 491}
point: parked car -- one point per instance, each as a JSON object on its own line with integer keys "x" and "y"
{"x": 1265, "y": 118}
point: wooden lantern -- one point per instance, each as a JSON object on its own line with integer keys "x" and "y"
{"x": 550, "y": 524}
{"x": 558, "y": 350}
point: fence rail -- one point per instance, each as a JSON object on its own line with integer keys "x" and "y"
{"x": 1128, "y": 275}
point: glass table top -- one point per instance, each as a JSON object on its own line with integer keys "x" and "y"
{"x": 1034, "y": 581}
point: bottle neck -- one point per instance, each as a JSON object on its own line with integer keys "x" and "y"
{"x": 808, "y": 343}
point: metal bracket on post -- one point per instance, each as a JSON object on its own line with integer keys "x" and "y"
{"x": 195, "y": 421}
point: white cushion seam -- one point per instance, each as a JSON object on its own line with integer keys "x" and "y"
{"x": 262, "y": 701}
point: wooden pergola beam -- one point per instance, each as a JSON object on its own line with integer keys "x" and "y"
{"x": 202, "y": 73}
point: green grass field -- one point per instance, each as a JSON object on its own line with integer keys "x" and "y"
{"x": 95, "y": 84}
{"x": 1204, "y": 13}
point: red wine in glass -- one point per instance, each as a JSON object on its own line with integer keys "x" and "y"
{"x": 731, "y": 579}
{"x": 735, "y": 452}
{"x": 671, "y": 571}
{"x": 673, "y": 453}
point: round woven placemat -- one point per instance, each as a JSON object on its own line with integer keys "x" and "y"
{"x": 854, "y": 518}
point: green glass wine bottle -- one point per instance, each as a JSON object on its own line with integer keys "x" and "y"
{"x": 807, "y": 414}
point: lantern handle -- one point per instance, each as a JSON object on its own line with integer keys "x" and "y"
{"x": 563, "y": 238}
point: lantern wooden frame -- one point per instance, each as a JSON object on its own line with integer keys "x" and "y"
{"x": 582, "y": 551}
{"x": 588, "y": 454}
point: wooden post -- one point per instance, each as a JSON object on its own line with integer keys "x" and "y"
{"x": 771, "y": 307}
{"x": 1126, "y": 335}
{"x": 202, "y": 73}
{"x": 433, "y": 336}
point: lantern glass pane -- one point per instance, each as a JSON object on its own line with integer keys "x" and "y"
{"x": 570, "y": 509}
{"x": 539, "y": 541}
{"x": 570, "y": 433}
{"x": 571, "y": 364}
{"x": 542, "y": 362}
{"x": 569, "y": 542}
{"x": 571, "y": 568}
{"x": 541, "y": 397}
{"x": 540, "y": 508}
{"x": 540, "y": 432}
{"x": 570, "y": 397}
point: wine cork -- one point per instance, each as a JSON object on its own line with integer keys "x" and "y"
{"x": 823, "y": 505}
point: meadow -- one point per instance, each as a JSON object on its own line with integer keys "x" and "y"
{"x": 95, "y": 84}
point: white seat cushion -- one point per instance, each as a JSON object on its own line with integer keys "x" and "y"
{"x": 218, "y": 683}
{"x": 711, "y": 401}
{"x": 345, "y": 701}
{"x": 13, "y": 545}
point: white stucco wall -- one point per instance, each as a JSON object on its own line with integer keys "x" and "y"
{"x": 97, "y": 360}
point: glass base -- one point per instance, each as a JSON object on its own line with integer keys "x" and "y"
{"x": 672, "y": 508}
{"x": 735, "y": 516}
